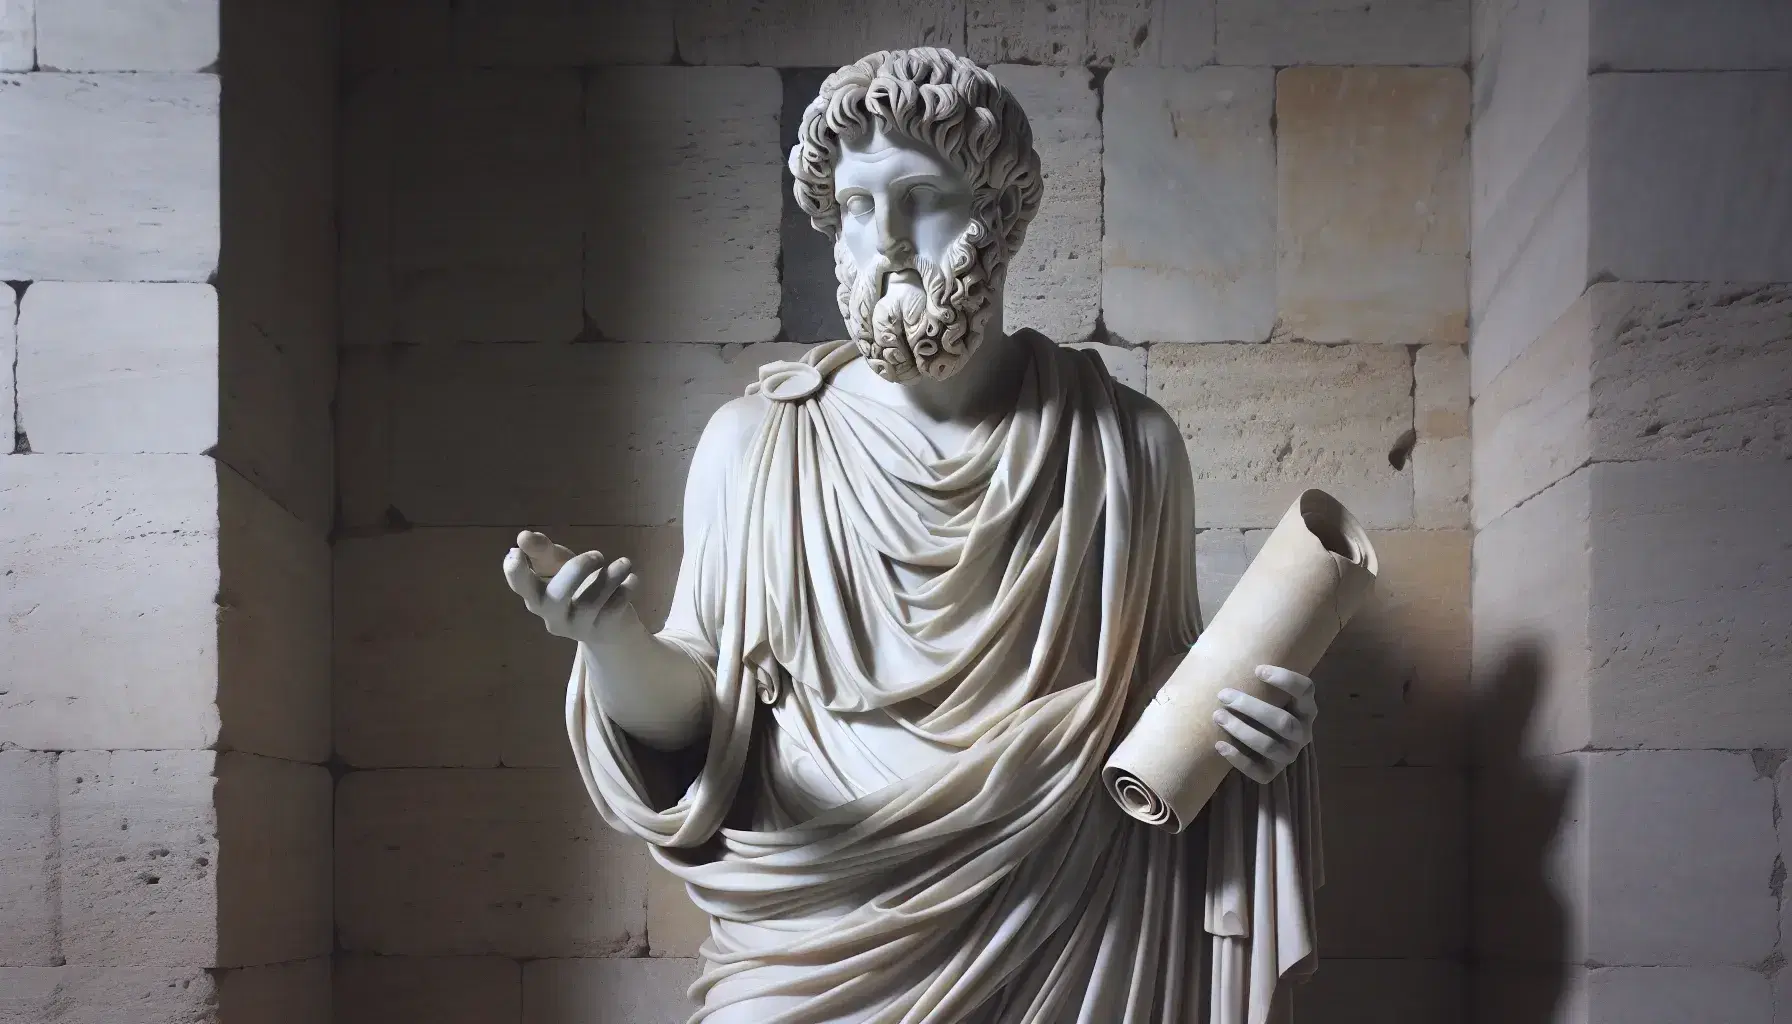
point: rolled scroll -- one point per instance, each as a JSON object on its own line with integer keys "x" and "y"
{"x": 1313, "y": 573}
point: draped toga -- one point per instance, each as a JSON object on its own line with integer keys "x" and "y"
{"x": 920, "y": 661}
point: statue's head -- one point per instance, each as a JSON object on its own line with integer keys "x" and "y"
{"x": 920, "y": 166}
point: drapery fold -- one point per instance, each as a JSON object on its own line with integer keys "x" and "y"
{"x": 920, "y": 660}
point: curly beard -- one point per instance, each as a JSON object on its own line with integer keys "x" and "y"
{"x": 907, "y": 332}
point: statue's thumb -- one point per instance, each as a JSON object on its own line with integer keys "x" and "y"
{"x": 545, "y": 557}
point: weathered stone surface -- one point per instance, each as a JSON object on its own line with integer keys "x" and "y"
{"x": 9, "y": 352}
{"x": 1127, "y": 365}
{"x": 1684, "y": 177}
{"x": 1282, "y": 32}
{"x": 1372, "y": 219}
{"x": 28, "y": 911}
{"x": 18, "y": 36}
{"x": 682, "y": 244}
{"x": 442, "y": 990}
{"x": 1669, "y": 995}
{"x": 274, "y": 860}
{"x": 1188, "y": 252}
{"x": 1395, "y": 882}
{"x": 1442, "y": 455}
{"x": 800, "y": 33}
{"x": 1098, "y": 33}
{"x": 513, "y": 862}
{"x": 438, "y": 663}
{"x": 118, "y": 179}
{"x": 1530, "y": 422}
{"x": 380, "y": 34}
{"x": 107, "y": 995}
{"x": 809, "y": 310}
{"x": 116, "y": 35}
{"x": 1264, "y": 422}
{"x": 607, "y": 991}
{"x": 119, "y": 368}
{"x": 630, "y": 416}
{"x": 562, "y": 33}
{"x": 1675, "y": 35}
{"x": 139, "y": 667}
{"x": 675, "y": 926}
{"x": 1381, "y": 992}
{"x": 1528, "y": 834}
{"x": 1054, "y": 280}
{"x": 998, "y": 31}
{"x": 295, "y": 992}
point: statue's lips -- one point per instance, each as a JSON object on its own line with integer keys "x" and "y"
{"x": 896, "y": 277}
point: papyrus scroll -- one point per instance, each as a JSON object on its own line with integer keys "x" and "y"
{"x": 1313, "y": 573}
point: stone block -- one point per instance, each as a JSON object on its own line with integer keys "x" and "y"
{"x": 119, "y": 182}
{"x": 1528, "y": 829}
{"x": 9, "y": 354}
{"x": 28, "y": 911}
{"x": 1188, "y": 252}
{"x": 274, "y": 868}
{"x": 1372, "y": 218}
{"x": 115, "y": 35}
{"x": 809, "y": 310}
{"x": 1098, "y": 33}
{"x": 1054, "y": 279}
{"x": 487, "y": 187}
{"x": 1382, "y": 992}
{"x": 607, "y": 991}
{"x": 1443, "y": 453}
{"x": 367, "y": 162}
{"x": 107, "y": 995}
{"x": 1542, "y": 993}
{"x": 1395, "y": 863}
{"x": 295, "y": 992}
{"x": 512, "y": 862}
{"x": 1126, "y": 365}
{"x": 438, "y": 663}
{"x": 119, "y": 368}
{"x": 385, "y": 34}
{"x": 1264, "y": 422}
{"x": 676, "y": 927}
{"x": 798, "y": 33}
{"x": 138, "y": 668}
{"x": 682, "y": 242}
{"x": 1684, "y": 180}
{"x": 630, "y": 416}
{"x": 562, "y": 33}
{"x": 1283, "y": 32}
{"x": 442, "y": 990}
{"x": 1670, "y": 995}
{"x": 1684, "y": 35}
{"x": 1530, "y": 422}
{"x": 18, "y": 36}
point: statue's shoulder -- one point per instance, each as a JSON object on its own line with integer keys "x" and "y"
{"x": 1154, "y": 427}
{"x": 728, "y": 437}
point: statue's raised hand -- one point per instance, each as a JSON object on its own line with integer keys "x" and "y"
{"x": 577, "y": 596}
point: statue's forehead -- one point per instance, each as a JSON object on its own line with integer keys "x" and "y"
{"x": 883, "y": 152}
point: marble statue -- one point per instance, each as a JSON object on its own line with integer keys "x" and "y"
{"x": 930, "y": 573}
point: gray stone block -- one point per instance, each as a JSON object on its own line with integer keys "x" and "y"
{"x": 798, "y": 33}
{"x": 1283, "y": 32}
{"x": 107, "y": 995}
{"x": 1396, "y": 878}
{"x": 1690, "y": 35}
{"x": 607, "y": 991}
{"x": 127, "y": 35}
{"x": 562, "y": 33}
{"x": 808, "y": 309}
{"x": 442, "y": 990}
{"x": 1054, "y": 280}
{"x": 29, "y": 916}
{"x": 18, "y": 36}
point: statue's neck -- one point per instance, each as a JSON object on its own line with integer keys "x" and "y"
{"x": 948, "y": 410}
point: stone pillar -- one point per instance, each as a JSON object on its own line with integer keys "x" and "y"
{"x": 1631, "y": 363}
{"x": 166, "y": 243}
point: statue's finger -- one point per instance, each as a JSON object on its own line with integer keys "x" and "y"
{"x": 572, "y": 576}
{"x": 1247, "y": 735}
{"x": 1289, "y": 682}
{"x": 522, "y": 579}
{"x": 545, "y": 557}
{"x": 1246, "y": 766}
{"x": 1270, "y": 717}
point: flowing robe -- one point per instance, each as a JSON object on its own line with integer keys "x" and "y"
{"x": 919, "y": 663}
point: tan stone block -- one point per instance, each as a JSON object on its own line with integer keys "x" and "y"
{"x": 1054, "y": 280}
{"x": 110, "y": 595}
{"x": 297, "y": 992}
{"x": 558, "y": 33}
{"x": 438, "y": 663}
{"x": 441, "y": 990}
{"x": 1443, "y": 453}
{"x": 119, "y": 368}
{"x": 107, "y": 995}
{"x": 1283, "y": 32}
{"x": 1395, "y": 863}
{"x": 1264, "y": 422}
{"x": 1126, "y": 365}
{"x": 28, "y": 912}
{"x": 140, "y": 35}
{"x": 1382, "y": 992}
{"x": 682, "y": 242}
{"x": 676, "y": 927}
{"x": 608, "y": 991}
{"x": 1529, "y": 423}
{"x": 1372, "y": 219}
{"x": 513, "y": 862}
{"x": 796, "y": 33}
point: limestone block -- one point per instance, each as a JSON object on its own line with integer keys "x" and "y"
{"x": 513, "y": 862}
{"x": 1372, "y": 218}
{"x": 1528, "y": 832}
{"x": 116, "y": 35}
{"x": 607, "y": 991}
{"x": 274, "y": 873}
{"x": 487, "y": 188}
{"x": 438, "y": 663}
{"x": 367, "y": 162}
{"x": 9, "y": 353}
{"x": 1691, "y": 604}
{"x": 1442, "y": 456}
{"x": 1282, "y": 32}
{"x": 675, "y": 926}
{"x": 1127, "y": 365}
{"x": 1503, "y": 992}
{"x": 682, "y": 244}
{"x": 562, "y": 33}
{"x": 1188, "y": 252}
{"x": 18, "y": 36}
{"x": 1264, "y": 422}
{"x": 384, "y": 34}
{"x": 628, "y": 417}
{"x": 1099, "y": 33}
{"x": 119, "y": 368}
{"x": 107, "y": 995}
{"x": 442, "y": 990}
{"x": 1395, "y": 872}
{"x": 809, "y": 310}
{"x": 28, "y": 912}
{"x": 1675, "y": 35}
{"x": 1381, "y": 992}
{"x": 113, "y": 575}
{"x": 1221, "y": 557}
{"x": 1054, "y": 279}
{"x": 119, "y": 181}
{"x": 1684, "y": 176}
{"x": 1668, "y": 995}
{"x": 295, "y": 992}
{"x": 1530, "y": 422}
{"x": 802, "y": 33}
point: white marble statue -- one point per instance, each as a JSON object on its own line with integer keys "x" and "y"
{"x": 930, "y": 574}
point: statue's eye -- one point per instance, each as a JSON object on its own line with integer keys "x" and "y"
{"x": 858, "y": 204}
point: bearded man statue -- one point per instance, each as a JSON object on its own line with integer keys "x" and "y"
{"x": 931, "y": 573}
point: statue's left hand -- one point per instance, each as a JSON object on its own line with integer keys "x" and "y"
{"x": 1268, "y": 738}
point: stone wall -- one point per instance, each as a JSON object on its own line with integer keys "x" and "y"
{"x": 166, "y": 331}
{"x": 1258, "y": 212}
